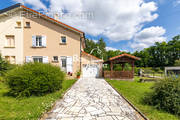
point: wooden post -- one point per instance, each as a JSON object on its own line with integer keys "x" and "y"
{"x": 132, "y": 68}
{"x": 123, "y": 66}
{"x": 111, "y": 64}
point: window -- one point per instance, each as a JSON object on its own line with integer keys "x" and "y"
{"x": 63, "y": 63}
{"x": 55, "y": 58}
{"x": 10, "y": 42}
{"x": 39, "y": 41}
{"x": 38, "y": 59}
{"x": 11, "y": 59}
{"x": 28, "y": 25}
{"x": 18, "y": 24}
{"x": 63, "y": 39}
{"x": 7, "y": 58}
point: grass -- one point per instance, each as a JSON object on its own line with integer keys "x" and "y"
{"x": 28, "y": 108}
{"x": 134, "y": 92}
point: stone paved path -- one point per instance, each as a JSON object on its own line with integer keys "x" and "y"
{"x": 92, "y": 99}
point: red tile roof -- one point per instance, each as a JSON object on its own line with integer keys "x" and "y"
{"x": 125, "y": 54}
{"x": 72, "y": 28}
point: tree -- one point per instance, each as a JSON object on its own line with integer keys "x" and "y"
{"x": 90, "y": 45}
{"x": 177, "y": 63}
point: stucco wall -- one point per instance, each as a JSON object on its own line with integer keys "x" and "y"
{"x": 8, "y": 27}
{"x": 53, "y": 34}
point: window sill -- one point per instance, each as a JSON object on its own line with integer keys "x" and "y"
{"x": 27, "y": 27}
{"x": 8, "y": 47}
{"x": 18, "y": 27}
{"x": 63, "y": 43}
{"x": 55, "y": 61}
{"x": 38, "y": 47}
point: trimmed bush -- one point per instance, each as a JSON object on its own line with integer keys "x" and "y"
{"x": 166, "y": 95}
{"x": 34, "y": 79}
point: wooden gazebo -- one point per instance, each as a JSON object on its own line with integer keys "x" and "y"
{"x": 121, "y": 59}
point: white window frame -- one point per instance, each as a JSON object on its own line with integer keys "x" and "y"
{"x": 38, "y": 59}
{"x": 10, "y": 43}
{"x": 39, "y": 41}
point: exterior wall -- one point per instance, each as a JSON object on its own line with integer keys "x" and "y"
{"x": 53, "y": 33}
{"x": 88, "y": 59}
{"x": 8, "y": 27}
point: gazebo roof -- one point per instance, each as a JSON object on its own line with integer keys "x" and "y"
{"x": 121, "y": 57}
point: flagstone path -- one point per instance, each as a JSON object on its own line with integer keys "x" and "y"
{"x": 92, "y": 99}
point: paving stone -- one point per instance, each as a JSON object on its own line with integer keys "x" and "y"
{"x": 92, "y": 99}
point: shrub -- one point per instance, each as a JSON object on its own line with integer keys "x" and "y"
{"x": 177, "y": 63}
{"x": 34, "y": 79}
{"x": 166, "y": 95}
{"x": 4, "y": 66}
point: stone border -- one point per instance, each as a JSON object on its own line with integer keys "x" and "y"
{"x": 42, "y": 117}
{"x": 136, "y": 109}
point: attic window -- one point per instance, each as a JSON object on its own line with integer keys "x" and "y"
{"x": 18, "y": 24}
{"x": 28, "y": 25}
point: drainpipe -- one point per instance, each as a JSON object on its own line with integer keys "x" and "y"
{"x": 81, "y": 50}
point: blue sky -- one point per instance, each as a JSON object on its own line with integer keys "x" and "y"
{"x": 125, "y": 25}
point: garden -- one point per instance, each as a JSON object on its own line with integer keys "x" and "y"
{"x": 158, "y": 100}
{"x": 28, "y": 91}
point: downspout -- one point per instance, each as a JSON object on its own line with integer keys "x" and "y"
{"x": 81, "y": 51}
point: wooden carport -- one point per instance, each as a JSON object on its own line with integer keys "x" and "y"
{"x": 121, "y": 59}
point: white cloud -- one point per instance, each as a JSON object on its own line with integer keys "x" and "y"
{"x": 148, "y": 37}
{"x": 95, "y": 41}
{"x": 116, "y": 19}
{"x": 111, "y": 48}
{"x": 37, "y": 4}
{"x": 176, "y": 3}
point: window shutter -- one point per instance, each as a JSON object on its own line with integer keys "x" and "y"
{"x": 33, "y": 41}
{"x": 69, "y": 64}
{"x": 44, "y": 41}
{"x": 45, "y": 59}
{"x": 28, "y": 59}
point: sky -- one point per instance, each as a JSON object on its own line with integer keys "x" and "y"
{"x": 126, "y": 25}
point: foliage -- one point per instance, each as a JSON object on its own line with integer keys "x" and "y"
{"x": 160, "y": 55}
{"x": 30, "y": 108}
{"x": 135, "y": 91}
{"x": 177, "y": 63}
{"x": 78, "y": 73}
{"x": 4, "y": 66}
{"x": 90, "y": 45}
{"x": 34, "y": 79}
{"x": 166, "y": 95}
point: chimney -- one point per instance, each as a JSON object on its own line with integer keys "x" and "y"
{"x": 56, "y": 16}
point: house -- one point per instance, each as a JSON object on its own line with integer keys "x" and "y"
{"x": 29, "y": 36}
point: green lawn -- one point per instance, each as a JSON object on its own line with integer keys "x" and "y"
{"x": 28, "y": 108}
{"x": 134, "y": 92}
